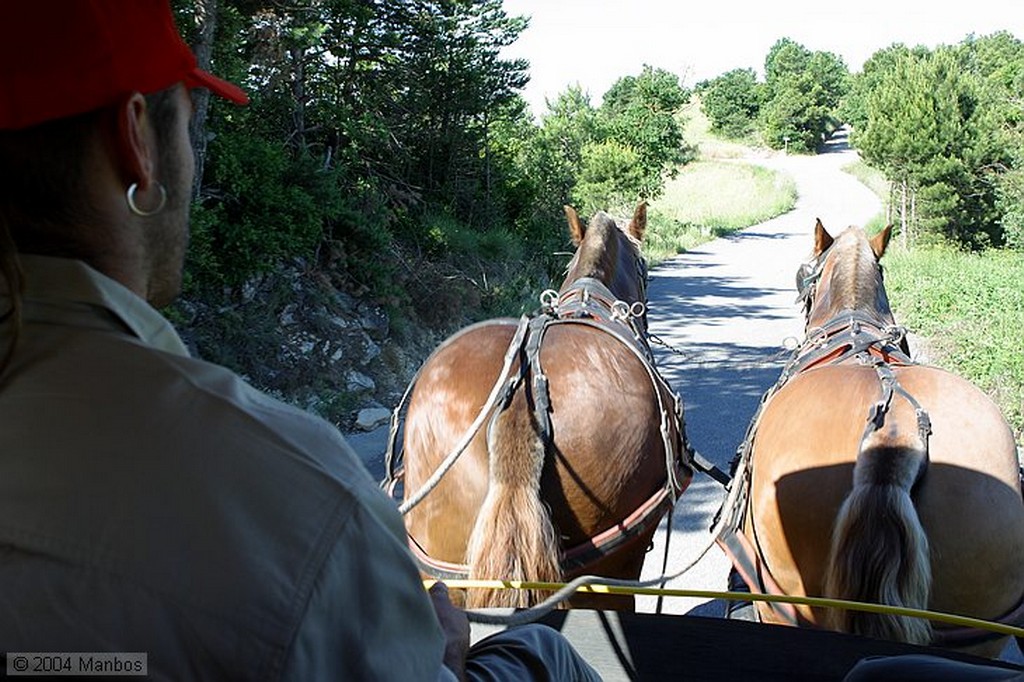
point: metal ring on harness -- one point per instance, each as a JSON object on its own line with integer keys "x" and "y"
{"x": 620, "y": 311}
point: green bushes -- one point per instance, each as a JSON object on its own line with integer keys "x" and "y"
{"x": 268, "y": 206}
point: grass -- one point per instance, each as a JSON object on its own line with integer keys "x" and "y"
{"x": 970, "y": 307}
{"x": 709, "y": 199}
{"x": 713, "y": 196}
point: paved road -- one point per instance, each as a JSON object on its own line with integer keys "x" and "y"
{"x": 727, "y": 309}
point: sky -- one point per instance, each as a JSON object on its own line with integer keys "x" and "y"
{"x": 596, "y": 42}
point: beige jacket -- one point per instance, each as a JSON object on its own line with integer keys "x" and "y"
{"x": 151, "y": 502}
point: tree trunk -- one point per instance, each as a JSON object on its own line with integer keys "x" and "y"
{"x": 904, "y": 226}
{"x": 298, "y": 56}
{"x": 206, "y": 20}
{"x": 913, "y": 212}
{"x": 888, "y": 204}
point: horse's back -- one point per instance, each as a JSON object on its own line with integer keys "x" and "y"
{"x": 969, "y": 499}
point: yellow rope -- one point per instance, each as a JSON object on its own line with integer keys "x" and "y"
{"x": 952, "y": 619}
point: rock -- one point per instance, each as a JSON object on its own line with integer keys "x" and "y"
{"x": 374, "y": 322}
{"x": 357, "y": 381}
{"x": 287, "y": 317}
{"x": 372, "y": 417}
{"x": 370, "y": 351}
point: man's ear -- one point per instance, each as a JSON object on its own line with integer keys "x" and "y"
{"x": 136, "y": 141}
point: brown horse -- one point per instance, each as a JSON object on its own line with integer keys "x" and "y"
{"x": 871, "y": 478}
{"x": 579, "y": 456}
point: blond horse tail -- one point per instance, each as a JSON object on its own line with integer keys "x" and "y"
{"x": 513, "y": 538}
{"x": 879, "y": 549}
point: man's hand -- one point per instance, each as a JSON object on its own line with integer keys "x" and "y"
{"x": 456, "y": 629}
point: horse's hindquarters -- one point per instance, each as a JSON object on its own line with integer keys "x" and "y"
{"x": 607, "y": 457}
{"x": 968, "y": 501}
{"x": 452, "y": 388}
{"x": 604, "y": 457}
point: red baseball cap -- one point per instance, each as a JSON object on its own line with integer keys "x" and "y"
{"x": 69, "y": 57}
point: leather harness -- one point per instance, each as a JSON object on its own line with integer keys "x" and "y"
{"x": 590, "y": 303}
{"x": 850, "y": 336}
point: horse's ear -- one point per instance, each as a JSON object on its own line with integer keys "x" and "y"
{"x": 638, "y": 225}
{"x": 880, "y": 241}
{"x": 822, "y": 239}
{"x": 576, "y": 229}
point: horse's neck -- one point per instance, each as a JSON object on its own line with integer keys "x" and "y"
{"x": 836, "y": 314}
{"x": 862, "y": 298}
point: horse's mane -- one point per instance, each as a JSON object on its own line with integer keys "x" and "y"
{"x": 856, "y": 281}
{"x": 598, "y": 254}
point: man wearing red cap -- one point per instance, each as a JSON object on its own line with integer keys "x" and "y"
{"x": 151, "y": 502}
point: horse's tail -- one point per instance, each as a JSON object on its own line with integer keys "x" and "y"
{"x": 513, "y": 538}
{"x": 879, "y": 548}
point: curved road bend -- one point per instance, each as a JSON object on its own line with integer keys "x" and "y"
{"x": 727, "y": 308}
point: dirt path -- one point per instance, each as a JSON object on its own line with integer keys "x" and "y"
{"x": 728, "y": 308}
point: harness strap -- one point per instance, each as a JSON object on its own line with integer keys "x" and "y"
{"x": 755, "y": 574}
{"x": 574, "y": 558}
{"x": 541, "y": 395}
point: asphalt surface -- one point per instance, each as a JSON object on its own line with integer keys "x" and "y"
{"x": 726, "y": 311}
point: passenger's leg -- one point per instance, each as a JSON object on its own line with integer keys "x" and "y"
{"x": 527, "y": 652}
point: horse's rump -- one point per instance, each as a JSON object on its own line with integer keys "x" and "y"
{"x": 968, "y": 501}
{"x": 605, "y": 423}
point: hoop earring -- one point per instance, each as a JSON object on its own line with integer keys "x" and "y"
{"x": 134, "y": 208}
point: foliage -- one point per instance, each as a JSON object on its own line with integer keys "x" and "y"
{"x": 609, "y": 177}
{"x": 1010, "y": 193}
{"x": 802, "y": 90}
{"x": 732, "y": 102}
{"x": 608, "y": 157}
{"x": 271, "y": 206}
{"x": 998, "y": 61}
{"x": 937, "y": 124}
{"x": 795, "y": 108}
{"x": 360, "y": 107}
{"x": 641, "y": 113}
{"x": 387, "y": 150}
{"x": 554, "y": 158}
